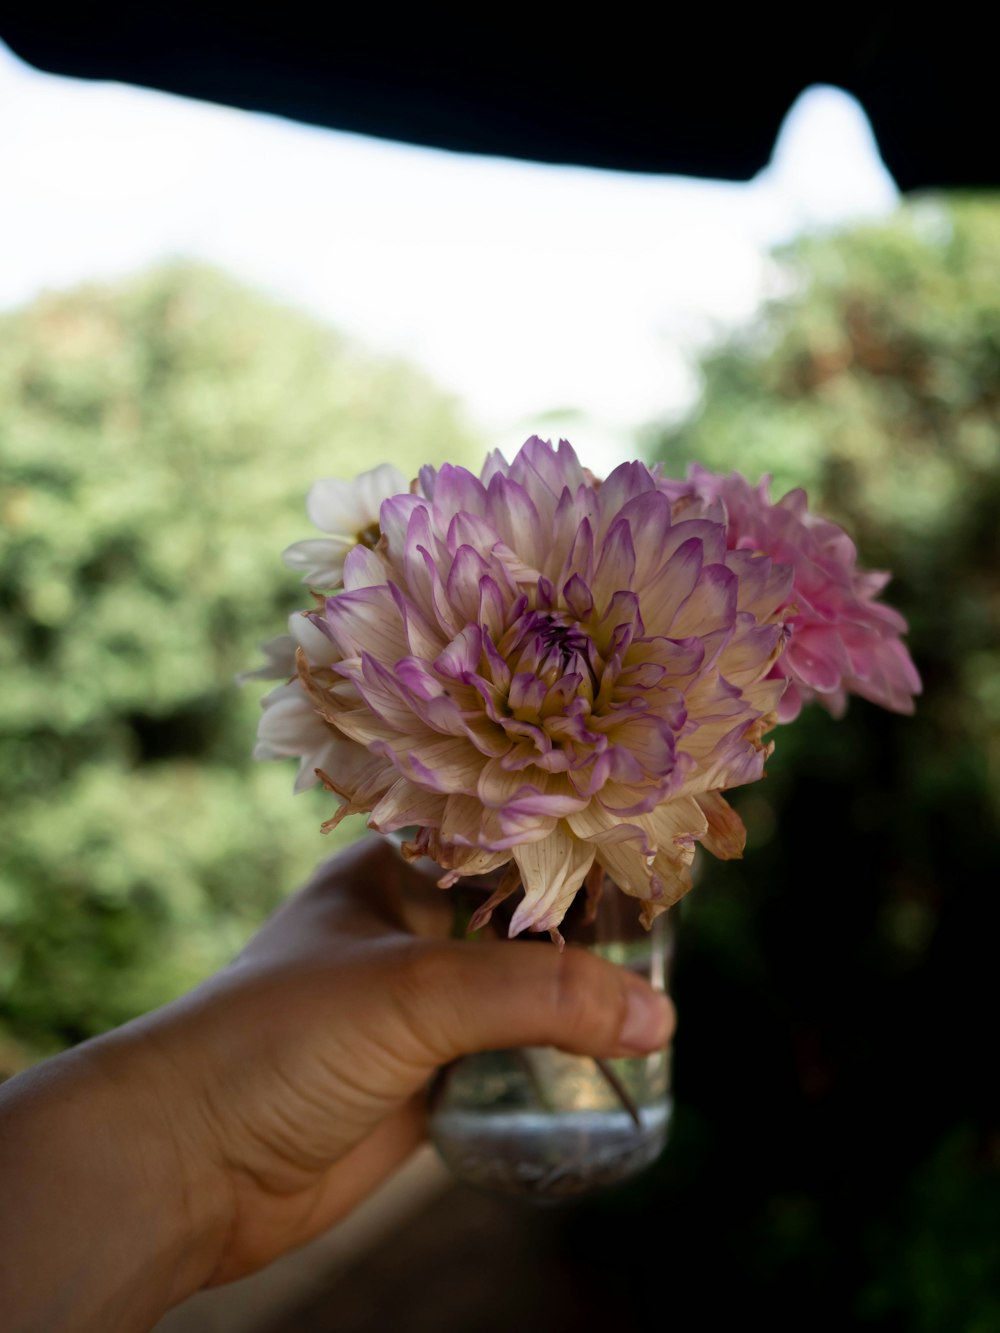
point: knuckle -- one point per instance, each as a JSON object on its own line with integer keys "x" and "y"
{"x": 590, "y": 1010}
{"x": 423, "y": 986}
{"x": 416, "y": 973}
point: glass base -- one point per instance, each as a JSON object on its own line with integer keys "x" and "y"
{"x": 545, "y": 1125}
{"x": 546, "y": 1157}
{"x": 539, "y": 1123}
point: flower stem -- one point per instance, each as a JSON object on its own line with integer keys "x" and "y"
{"x": 618, "y": 1088}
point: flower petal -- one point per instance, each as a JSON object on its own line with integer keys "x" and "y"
{"x": 726, "y": 835}
{"x": 551, "y": 871}
{"x": 348, "y": 507}
{"x": 320, "y": 560}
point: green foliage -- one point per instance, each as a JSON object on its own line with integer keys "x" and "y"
{"x": 157, "y": 440}
{"x": 835, "y": 986}
{"x": 873, "y": 381}
{"x": 944, "y": 1274}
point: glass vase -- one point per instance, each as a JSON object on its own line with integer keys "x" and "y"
{"x": 541, "y": 1124}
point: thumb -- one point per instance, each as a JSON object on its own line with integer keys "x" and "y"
{"x": 459, "y": 997}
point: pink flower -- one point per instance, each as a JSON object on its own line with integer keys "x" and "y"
{"x": 542, "y": 672}
{"x": 842, "y": 640}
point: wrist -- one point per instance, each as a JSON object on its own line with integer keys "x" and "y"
{"x": 102, "y": 1224}
{"x": 153, "y": 1121}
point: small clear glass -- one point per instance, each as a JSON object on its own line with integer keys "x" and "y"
{"x": 544, "y": 1125}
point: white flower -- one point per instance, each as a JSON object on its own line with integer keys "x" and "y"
{"x": 347, "y": 511}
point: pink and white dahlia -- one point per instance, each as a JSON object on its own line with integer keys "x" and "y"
{"x": 543, "y": 672}
{"x": 842, "y": 641}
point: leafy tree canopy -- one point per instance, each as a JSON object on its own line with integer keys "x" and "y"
{"x": 157, "y": 439}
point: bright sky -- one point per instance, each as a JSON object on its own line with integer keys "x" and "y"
{"x": 522, "y": 288}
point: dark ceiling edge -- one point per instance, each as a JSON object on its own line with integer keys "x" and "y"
{"x": 488, "y": 91}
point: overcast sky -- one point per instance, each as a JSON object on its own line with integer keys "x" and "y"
{"x": 522, "y": 288}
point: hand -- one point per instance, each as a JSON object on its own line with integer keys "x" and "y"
{"x": 275, "y": 1096}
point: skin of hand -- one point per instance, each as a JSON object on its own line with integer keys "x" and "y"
{"x": 197, "y": 1144}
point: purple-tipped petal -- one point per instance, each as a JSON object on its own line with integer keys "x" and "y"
{"x": 366, "y": 619}
{"x": 461, "y": 657}
{"x": 457, "y": 490}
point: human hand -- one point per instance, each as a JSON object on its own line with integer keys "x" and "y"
{"x": 277, "y": 1094}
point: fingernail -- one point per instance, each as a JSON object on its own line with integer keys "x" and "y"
{"x": 645, "y": 1025}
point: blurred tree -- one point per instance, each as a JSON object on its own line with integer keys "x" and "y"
{"x": 157, "y": 440}
{"x": 836, "y": 1160}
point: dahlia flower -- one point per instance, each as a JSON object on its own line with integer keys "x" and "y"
{"x": 841, "y": 639}
{"x": 540, "y": 672}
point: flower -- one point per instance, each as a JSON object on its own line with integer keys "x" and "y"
{"x": 842, "y": 640}
{"x": 542, "y": 672}
{"x": 349, "y": 510}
